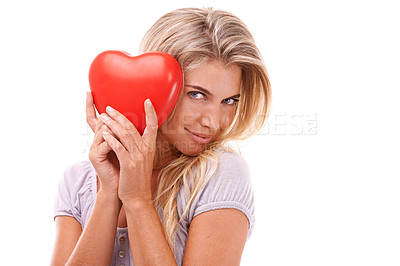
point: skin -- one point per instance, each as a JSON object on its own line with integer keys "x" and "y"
{"x": 123, "y": 161}
{"x": 200, "y": 112}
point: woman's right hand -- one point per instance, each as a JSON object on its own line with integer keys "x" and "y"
{"x": 102, "y": 157}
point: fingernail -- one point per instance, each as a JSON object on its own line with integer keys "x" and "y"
{"x": 148, "y": 102}
{"x": 105, "y": 133}
{"x": 109, "y": 109}
{"x": 105, "y": 117}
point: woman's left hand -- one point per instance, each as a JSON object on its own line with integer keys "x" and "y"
{"x": 135, "y": 152}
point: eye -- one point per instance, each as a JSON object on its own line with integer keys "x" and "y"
{"x": 196, "y": 95}
{"x": 231, "y": 101}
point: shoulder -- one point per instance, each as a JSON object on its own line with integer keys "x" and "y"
{"x": 233, "y": 163}
{"x": 228, "y": 187}
{"x": 78, "y": 174}
{"x": 76, "y": 190}
{"x": 231, "y": 175}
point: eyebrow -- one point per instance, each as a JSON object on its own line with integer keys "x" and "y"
{"x": 207, "y": 92}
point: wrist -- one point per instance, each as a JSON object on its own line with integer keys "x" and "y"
{"x": 137, "y": 205}
{"x": 109, "y": 196}
{"x": 135, "y": 197}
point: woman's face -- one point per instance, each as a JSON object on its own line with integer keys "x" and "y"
{"x": 205, "y": 107}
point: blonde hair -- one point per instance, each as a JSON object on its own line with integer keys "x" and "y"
{"x": 196, "y": 36}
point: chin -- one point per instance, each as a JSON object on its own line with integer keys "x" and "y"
{"x": 190, "y": 148}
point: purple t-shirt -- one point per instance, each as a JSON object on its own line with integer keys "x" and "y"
{"x": 229, "y": 187}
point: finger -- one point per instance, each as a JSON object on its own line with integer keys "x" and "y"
{"x": 91, "y": 118}
{"x": 123, "y": 129}
{"x": 123, "y": 121}
{"x": 104, "y": 148}
{"x": 150, "y": 132}
{"x": 100, "y": 152}
{"x": 122, "y": 154}
{"x": 98, "y": 138}
{"x": 120, "y": 133}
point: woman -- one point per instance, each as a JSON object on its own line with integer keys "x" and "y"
{"x": 177, "y": 195}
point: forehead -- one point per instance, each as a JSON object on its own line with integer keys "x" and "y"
{"x": 216, "y": 77}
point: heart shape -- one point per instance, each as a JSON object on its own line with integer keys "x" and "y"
{"x": 124, "y": 82}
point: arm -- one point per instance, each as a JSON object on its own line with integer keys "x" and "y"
{"x": 148, "y": 243}
{"x": 146, "y": 235}
{"x": 95, "y": 244}
{"x": 216, "y": 238}
{"x": 135, "y": 154}
{"x": 101, "y": 228}
{"x": 68, "y": 230}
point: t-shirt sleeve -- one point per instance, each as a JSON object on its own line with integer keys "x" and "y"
{"x": 75, "y": 191}
{"x": 229, "y": 187}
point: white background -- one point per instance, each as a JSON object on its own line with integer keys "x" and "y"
{"x": 325, "y": 170}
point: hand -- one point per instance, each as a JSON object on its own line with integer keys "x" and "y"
{"x": 135, "y": 153}
{"x": 103, "y": 159}
{"x": 91, "y": 117}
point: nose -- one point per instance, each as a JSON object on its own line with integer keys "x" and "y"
{"x": 211, "y": 118}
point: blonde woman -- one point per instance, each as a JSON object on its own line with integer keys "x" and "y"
{"x": 177, "y": 195}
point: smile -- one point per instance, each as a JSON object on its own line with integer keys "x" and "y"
{"x": 204, "y": 139}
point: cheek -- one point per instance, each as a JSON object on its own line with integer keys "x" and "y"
{"x": 227, "y": 119}
{"x": 188, "y": 114}
{"x": 184, "y": 116}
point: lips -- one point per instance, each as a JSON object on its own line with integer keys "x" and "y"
{"x": 198, "y": 137}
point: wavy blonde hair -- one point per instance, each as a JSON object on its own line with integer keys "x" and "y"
{"x": 196, "y": 36}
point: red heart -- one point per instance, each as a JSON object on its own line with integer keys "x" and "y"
{"x": 124, "y": 82}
